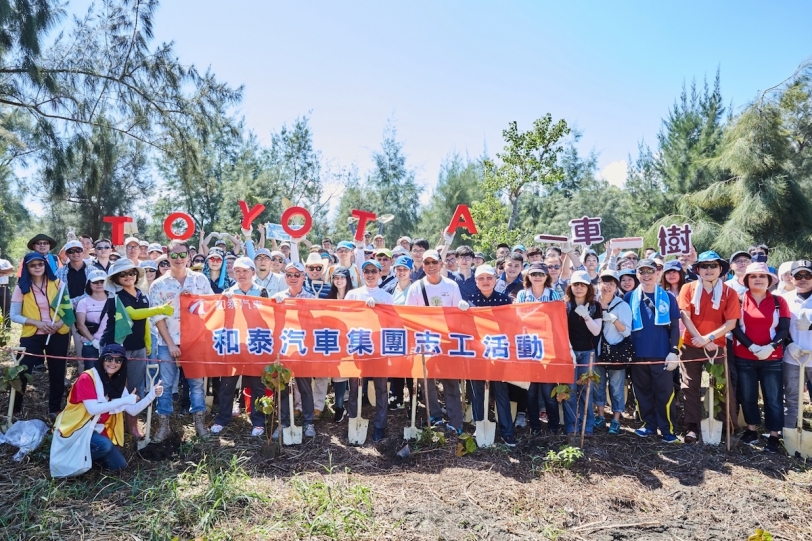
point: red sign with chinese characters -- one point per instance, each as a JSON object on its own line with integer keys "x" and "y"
{"x": 325, "y": 338}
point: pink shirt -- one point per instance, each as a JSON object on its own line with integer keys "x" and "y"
{"x": 42, "y": 302}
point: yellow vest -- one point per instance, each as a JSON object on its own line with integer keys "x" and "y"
{"x": 75, "y": 416}
{"x": 30, "y": 309}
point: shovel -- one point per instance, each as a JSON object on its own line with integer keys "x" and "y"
{"x": 485, "y": 429}
{"x": 711, "y": 428}
{"x": 17, "y": 354}
{"x": 358, "y": 426}
{"x": 468, "y": 412}
{"x": 411, "y": 432}
{"x": 797, "y": 440}
{"x": 291, "y": 435}
{"x": 152, "y": 373}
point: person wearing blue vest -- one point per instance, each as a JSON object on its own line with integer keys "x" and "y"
{"x": 655, "y": 336}
{"x": 244, "y": 271}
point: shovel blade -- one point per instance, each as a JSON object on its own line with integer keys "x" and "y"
{"x": 292, "y": 435}
{"x": 798, "y": 442}
{"x": 711, "y": 428}
{"x": 411, "y": 433}
{"x": 358, "y": 431}
{"x": 485, "y": 433}
{"x": 468, "y": 415}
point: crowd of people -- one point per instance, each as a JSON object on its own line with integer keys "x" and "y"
{"x": 643, "y": 324}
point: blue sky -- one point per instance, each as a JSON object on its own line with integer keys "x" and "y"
{"x": 452, "y": 74}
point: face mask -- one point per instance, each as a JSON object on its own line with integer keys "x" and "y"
{"x": 760, "y": 258}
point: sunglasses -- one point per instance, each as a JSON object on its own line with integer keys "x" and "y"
{"x": 165, "y": 264}
{"x": 293, "y": 275}
{"x": 150, "y": 270}
{"x": 556, "y": 267}
{"x": 74, "y": 251}
{"x": 705, "y": 266}
{"x": 132, "y": 247}
{"x": 803, "y": 276}
{"x": 42, "y": 243}
{"x": 112, "y": 359}
{"x": 537, "y": 275}
{"x": 103, "y": 247}
{"x": 373, "y": 270}
{"x": 178, "y": 255}
{"x": 646, "y": 270}
{"x": 128, "y": 273}
{"x": 216, "y": 259}
{"x": 36, "y": 265}
{"x": 316, "y": 268}
{"x": 278, "y": 259}
{"x": 430, "y": 262}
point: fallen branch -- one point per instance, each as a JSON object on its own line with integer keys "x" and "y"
{"x": 592, "y": 526}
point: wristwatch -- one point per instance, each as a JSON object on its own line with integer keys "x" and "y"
{"x": 711, "y": 337}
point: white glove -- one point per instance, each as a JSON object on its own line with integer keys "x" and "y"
{"x": 371, "y": 302}
{"x": 95, "y": 344}
{"x": 448, "y": 238}
{"x": 609, "y": 317}
{"x": 754, "y": 349}
{"x": 765, "y": 352}
{"x": 574, "y": 358}
{"x": 582, "y": 311}
{"x": 566, "y": 247}
{"x": 802, "y": 323}
{"x": 795, "y": 351}
{"x": 247, "y": 232}
{"x": 278, "y": 298}
{"x": 463, "y": 305}
{"x": 671, "y": 362}
{"x": 228, "y": 294}
{"x": 359, "y": 243}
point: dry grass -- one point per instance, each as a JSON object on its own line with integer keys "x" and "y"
{"x": 623, "y": 488}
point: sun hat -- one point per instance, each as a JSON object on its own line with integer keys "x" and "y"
{"x": 760, "y": 268}
{"x": 709, "y": 257}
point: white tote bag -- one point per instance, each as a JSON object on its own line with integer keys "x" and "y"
{"x": 71, "y": 456}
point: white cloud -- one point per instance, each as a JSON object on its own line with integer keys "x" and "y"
{"x": 615, "y": 173}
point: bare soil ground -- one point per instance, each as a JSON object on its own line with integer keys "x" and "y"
{"x": 624, "y": 487}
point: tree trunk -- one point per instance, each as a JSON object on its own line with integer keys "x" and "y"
{"x": 514, "y": 213}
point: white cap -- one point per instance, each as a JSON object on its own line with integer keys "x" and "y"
{"x": 580, "y": 277}
{"x": 73, "y": 244}
{"x": 143, "y": 243}
{"x": 244, "y": 263}
{"x": 155, "y": 247}
{"x": 96, "y": 275}
{"x": 128, "y": 240}
{"x": 484, "y": 269}
{"x": 432, "y": 254}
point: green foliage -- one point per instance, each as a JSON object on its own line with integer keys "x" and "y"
{"x": 11, "y": 377}
{"x": 276, "y": 377}
{"x": 466, "y": 445}
{"x": 718, "y": 384}
{"x": 430, "y": 438}
{"x": 564, "y": 459}
{"x": 333, "y": 509}
{"x": 561, "y": 393}
{"x": 760, "y": 535}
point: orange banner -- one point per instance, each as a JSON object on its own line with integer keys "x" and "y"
{"x": 326, "y": 338}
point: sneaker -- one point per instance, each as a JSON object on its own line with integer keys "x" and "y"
{"x": 235, "y": 410}
{"x": 339, "y": 415}
{"x": 216, "y": 429}
{"x": 691, "y": 437}
{"x": 510, "y": 441}
{"x": 670, "y": 438}
{"x": 309, "y": 431}
{"x": 644, "y": 432}
{"x": 393, "y": 406}
{"x": 316, "y": 415}
{"x": 773, "y": 445}
{"x": 450, "y": 428}
{"x": 275, "y": 435}
{"x": 521, "y": 420}
{"x": 256, "y": 432}
{"x": 175, "y": 397}
{"x": 400, "y": 405}
{"x": 378, "y": 434}
{"x": 543, "y": 416}
{"x": 750, "y": 437}
{"x": 436, "y": 421}
{"x": 599, "y": 422}
{"x": 614, "y": 427}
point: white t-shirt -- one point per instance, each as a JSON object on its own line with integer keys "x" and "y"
{"x": 4, "y": 265}
{"x": 363, "y": 293}
{"x": 445, "y": 293}
{"x": 733, "y": 283}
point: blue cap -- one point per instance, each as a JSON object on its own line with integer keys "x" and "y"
{"x": 346, "y": 244}
{"x": 404, "y": 261}
{"x": 113, "y": 349}
{"x": 519, "y": 247}
{"x": 709, "y": 256}
{"x": 672, "y": 265}
{"x": 372, "y": 262}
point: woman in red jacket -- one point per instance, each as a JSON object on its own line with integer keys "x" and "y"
{"x": 759, "y": 352}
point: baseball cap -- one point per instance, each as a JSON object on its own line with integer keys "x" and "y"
{"x": 216, "y": 252}
{"x": 113, "y": 349}
{"x": 371, "y": 262}
{"x": 155, "y": 247}
{"x": 673, "y": 265}
{"x": 244, "y": 263}
{"x": 148, "y": 264}
{"x": 801, "y": 265}
{"x": 401, "y": 239}
{"x": 378, "y": 236}
{"x": 144, "y": 243}
{"x": 73, "y": 244}
{"x": 277, "y": 253}
{"x": 129, "y": 240}
{"x": 345, "y": 244}
{"x": 286, "y": 243}
{"x": 263, "y": 251}
{"x": 538, "y": 266}
{"x": 611, "y": 274}
{"x": 484, "y": 269}
{"x": 383, "y": 251}
{"x": 519, "y": 247}
{"x": 432, "y": 254}
{"x": 480, "y": 255}
{"x": 295, "y": 265}
{"x": 96, "y": 275}
{"x": 648, "y": 262}
{"x": 740, "y": 252}
{"x": 629, "y": 253}
{"x": 399, "y": 251}
{"x": 403, "y": 261}
{"x": 580, "y": 277}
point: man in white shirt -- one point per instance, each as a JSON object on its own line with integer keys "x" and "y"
{"x": 435, "y": 290}
{"x": 372, "y": 295}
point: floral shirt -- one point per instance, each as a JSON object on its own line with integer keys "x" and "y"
{"x": 167, "y": 289}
